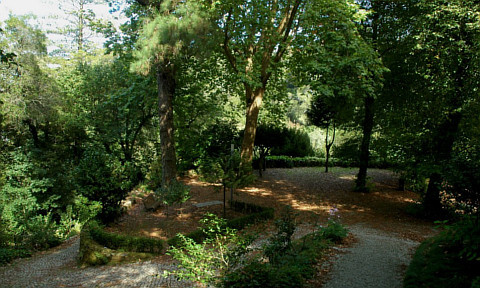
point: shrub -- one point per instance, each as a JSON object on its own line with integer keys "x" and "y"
{"x": 100, "y": 177}
{"x": 291, "y": 262}
{"x": 290, "y": 162}
{"x": 450, "y": 259}
{"x": 123, "y": 242}
{"x": 259, "y": 213}
{"x": 8, "y": 254}
{"x": 281, "y": 242}
{"x": 221, "y": 250}
{"x": 174, "y": 193}
{"x": 296, "y": 143}
{"x": 334, "y": 231}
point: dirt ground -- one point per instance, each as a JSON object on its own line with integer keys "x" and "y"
{"x": 309, "y": 191}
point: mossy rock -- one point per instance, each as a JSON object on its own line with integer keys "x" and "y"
{"x": 93, "y": 254}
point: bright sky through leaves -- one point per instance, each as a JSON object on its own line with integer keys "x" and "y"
{"x": 49, "y": 15}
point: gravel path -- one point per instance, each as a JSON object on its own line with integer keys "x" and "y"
{"x": 377, "y": 260}
{"x": 376, "y": 219}
{"x": 58, "y": 269}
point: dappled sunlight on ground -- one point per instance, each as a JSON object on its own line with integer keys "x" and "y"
{"x": 311, "y": 192}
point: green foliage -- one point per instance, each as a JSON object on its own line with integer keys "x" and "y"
{"x": 77, "y": 215}
{"x": 221, "y": 250}
{"x": 20, "y": 212}
{"x": 293, "y": 261}
{"x": 123, "y": 242}
{"x": 290, "y": 162}
{"x": 8, "y": 254}
{"x": 154, "y": 174}
{"x": 225, "y": 169}
{"x": 462, "y": 176}
{"x": 100, "y": 178}
{"x": 334, "y": 231}
{"x": 281, "y": 241}
{"x": 256, "y": 214}
{"x": 450, "y": 259}
{"x": 167, "y": 35}
{"x": 295, "y": 143}
{"x": 174, "y": 193}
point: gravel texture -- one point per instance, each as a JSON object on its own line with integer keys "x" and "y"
{"x": 377, "y": 220}
{"x": 57, "y": 268}
{"x": 377, "y": 260}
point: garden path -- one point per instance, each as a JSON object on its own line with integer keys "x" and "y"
{"x": 385, "y": 235}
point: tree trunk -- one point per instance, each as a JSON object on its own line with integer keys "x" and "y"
{"x": 444, "y": 141}
{"x": 365, "y": 147}
{"x": 328, "y": 145}
{"x": 166, "y": 89}
{"x": 34, "y": 132}
{"x": 254, "y": 102}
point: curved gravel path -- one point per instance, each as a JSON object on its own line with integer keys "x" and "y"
{"x": 377, "y": 260}
{"x": 58, "y": 268}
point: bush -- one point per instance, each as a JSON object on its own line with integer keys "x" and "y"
{"x": 450, "y": 259}
{"x": 334, "y": 231}
{"x": 296, "y": 143}
{"x": 123, "y": 242}
{"x": 259, "y": 213}
{"x": 26, "y": 222}
{"x": 291, "y": 263}
{"x": 220, "y": 251}
{"x": 174, "y": 193}
{"x": 281, "y": 242}
{"x": 7, "y": 255}
{"x": 290, "y": 162}
{"x": 100, "y": 177}
{"x": 347, "y": 154}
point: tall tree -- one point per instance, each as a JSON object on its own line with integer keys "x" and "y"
{"x": 341, "y": 67}
{"x": 168, "y": 34}
{"x": 324, "y": 116}
{"x": 256, "y": 37}
{"x": 81, "y": 28}
{"x": 446, "y": 57}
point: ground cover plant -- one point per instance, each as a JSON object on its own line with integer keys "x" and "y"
{"x": 226, "y": 258}
{"x": 450, "y": 259}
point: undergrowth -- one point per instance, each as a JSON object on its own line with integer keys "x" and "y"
{"x": 450, "y": 259}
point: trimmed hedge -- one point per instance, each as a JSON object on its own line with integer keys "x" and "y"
{"x": 98, "y": 245}
{"x": 123, "y": 242}
{"x": 258, "y": 213}
{"x": 291, "y": 162}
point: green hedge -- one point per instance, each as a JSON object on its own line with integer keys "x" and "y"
{"x": 291, "y": 162}
{"x": 258, "y": 213}
{"x": 123, "y": 242}
{"x": 93, "y": 231}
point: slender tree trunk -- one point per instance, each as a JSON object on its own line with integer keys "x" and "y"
{"x": 34, "y": 132}
{"x": 328, "y": 146}
{"x": 365, "y": 146}
{"x": 254, "y": 102}
{"x": 166, "y": 90}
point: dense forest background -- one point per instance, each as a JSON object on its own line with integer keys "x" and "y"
{"x": 387, "y": 83}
